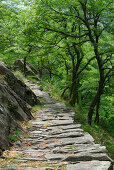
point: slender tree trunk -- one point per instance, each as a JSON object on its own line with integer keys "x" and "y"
{"x": 96, "y": 102}
{"x": 97, "y": 111}
{"x": 50, "y": 74}
{"x": 73, "y": 83}
{"x": 66, "y": 88}
{"x": 41, "y": 68}
{"x": 66, "y": 68}
{"x": 74, "y": 98}
{"x": 74, "y": 89}
{"x": 24, "y": 69}
{"x": 91, "y": 109}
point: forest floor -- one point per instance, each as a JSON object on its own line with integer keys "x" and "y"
{"x": 54, "y": 141}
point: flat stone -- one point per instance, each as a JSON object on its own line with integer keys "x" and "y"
{"x": 65, "y": 114}
{"x": 60, "y": 131}
{"x": 70, "y": 134}
{"x": 46, "y": 118}
{"x": 86, "y": 139}
{"x": 34, "y": 153}
{"x": 95, "y": 148}
{"x": 90, "y": 165}
{"x": 61, "y": 122}
{"x": 57, "y": 105}
{"x": 55, "y": 156}
{"x": 35, "y": 123}
{"x": 33, "y": 159}
{"x": 86, "y": 156}
{"x": 36, "y": 132}
{"x": 72, "y": 126}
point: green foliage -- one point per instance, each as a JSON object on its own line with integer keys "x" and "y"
{"x": 36, "y": 107}
{"x": 15, "y": 136}
{"x": 107, "y": 113}
{"x": 19, "y": 75}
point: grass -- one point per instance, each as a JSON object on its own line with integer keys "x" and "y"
{"x": 15, "y": 136}
{"x": 19, "y": 75}
{"x": 36, "y": 107}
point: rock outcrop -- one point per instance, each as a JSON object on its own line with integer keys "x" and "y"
{"x": 17, "y": 86}
{"x": 15, "y": 98}
{"x": 4, "y": 128}
{"x": 14, "y": 104}
{"x": 29, "y": 71}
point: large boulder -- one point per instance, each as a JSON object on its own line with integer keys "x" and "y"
{"x": 29, "y": 71}
{"x": 19, "y": 87}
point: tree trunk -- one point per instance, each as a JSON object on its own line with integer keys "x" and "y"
{"x": 66, "y": 88}
{"x": 74, "y": 98}
{"x": 24, "y": 69}
{"x": 50, "y": 74}
{"x": 74, "y": 92}
{"x": 96, "y": 101}
{"x": 97, "y": 111}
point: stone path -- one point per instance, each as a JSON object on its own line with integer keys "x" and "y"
{"x": 55, "y": 142}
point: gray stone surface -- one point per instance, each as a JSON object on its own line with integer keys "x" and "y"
{"x": 12, "y": 108}
{"x": 87, "y": 156}
{"x": 70, "y": 134}
{"x": 92, "y": 148}
{"x": 86, "y": 139}
{"x": 14, "y": 96}
{"x": 55, "y": 156}
{"x": 4, "y": 128}
{"x": 90, "y": 165}
{"x": 14, "y": 104}
{"x": 19, "y": 87}
{"x": 34, "y": 153}
{"x": 61, "y": 122}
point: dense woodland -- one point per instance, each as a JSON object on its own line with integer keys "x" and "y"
{"x": 71, "y": 45}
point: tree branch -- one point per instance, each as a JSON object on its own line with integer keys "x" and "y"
{"x": 86, "y": 65}
{"x": 108, "y": 73}
{"x": 66, "y": 34}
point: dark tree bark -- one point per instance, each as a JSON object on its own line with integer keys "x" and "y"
{"x": 66, "y": 88}
{"x": 97, "y": 111}
{"x": 74, "y": 97}
{"x": 96, "y": 102}
{"x": 24, "y": 69}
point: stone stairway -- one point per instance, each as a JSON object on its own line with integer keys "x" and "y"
{"x": 55, "y": 142}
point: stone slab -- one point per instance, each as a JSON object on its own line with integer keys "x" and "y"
{"x": 95, "y": 148}
{"x": 86, "y": 139}
{"x": 69, "y": 134}
{"x": 61, "y": 122}
{"x": 90, "y": 165}
{"x": 86, "y": 156}
{"x": 55, "y": 156}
